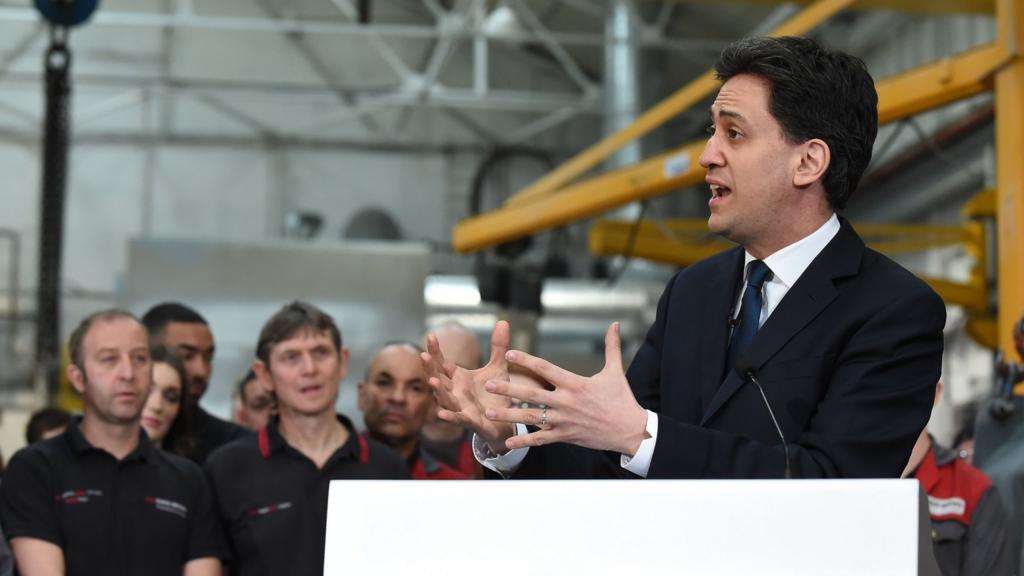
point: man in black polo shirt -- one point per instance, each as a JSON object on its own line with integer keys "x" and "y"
{"x": 100, "y": 498}
{"x": 185, "y": 331}
{"x": 271, "y": 488}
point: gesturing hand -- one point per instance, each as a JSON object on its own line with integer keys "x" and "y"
{"x": 460, "y": 392}
{"x": 598, "y": 412}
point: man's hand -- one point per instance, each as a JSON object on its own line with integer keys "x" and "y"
{"x": 599, "y": 412}
{"x": 460, "y": 392}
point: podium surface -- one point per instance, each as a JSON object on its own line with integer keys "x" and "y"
{"x": 793, "y": 527}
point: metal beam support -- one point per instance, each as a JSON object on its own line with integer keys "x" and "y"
{"x": 651, "y": 177}
{"x": 480, "y": 52}
{"x": 319, "y": 67}
{"x": 190, "y": 20}
{"x": 1009, "y": 90}
{"x": 938, "y": 83}
{"x": 915, "y": 6}
{"x": 554, "y": 46}
{"x": 20, "y": 48}
{"x": 684, "y": 98}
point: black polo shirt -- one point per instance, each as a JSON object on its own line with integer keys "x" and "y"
{"x": 212, "y": 433}
{"x": 149, "y": 513}
{"x": 273, "y": 500}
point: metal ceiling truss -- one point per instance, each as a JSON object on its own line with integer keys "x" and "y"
{"x": 412, "y": 89}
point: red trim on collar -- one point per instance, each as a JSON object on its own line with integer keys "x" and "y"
{"x": 264, "y": 441}
{"x": 364, "y": 449}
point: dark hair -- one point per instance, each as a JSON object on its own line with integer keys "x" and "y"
{"x": 291, "y": 319}
{"x": 159, "y": 316}
{"x": 241, "y": 384}
{"x": 181, "y": 437}
{"x": 814, "y": 93}
{"x": 44, "y": 420}
{"x": 389, "y": 344}
{"x": 82, "y": 330}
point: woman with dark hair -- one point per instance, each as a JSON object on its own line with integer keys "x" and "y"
{"x": 165, "y": 416}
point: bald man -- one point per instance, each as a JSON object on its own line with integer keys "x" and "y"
{"x": 395, "y": 400}
{"x": 447, "y": 442}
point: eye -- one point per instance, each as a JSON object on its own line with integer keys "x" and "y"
{"x": 734, "y": 134}
{"x": 172, "y": 396}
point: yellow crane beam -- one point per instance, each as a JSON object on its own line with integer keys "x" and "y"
{"x": 914, "y": 6}
{"x": 1009, "y": 92}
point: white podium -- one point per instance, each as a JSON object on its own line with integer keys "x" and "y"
{"x": 648, "y": 527}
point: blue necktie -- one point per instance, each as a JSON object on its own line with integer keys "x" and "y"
{"x": 750, "y": 310}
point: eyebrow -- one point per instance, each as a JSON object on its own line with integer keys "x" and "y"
{"x": 727, "y": 113}
{"x": 191, "y": 348}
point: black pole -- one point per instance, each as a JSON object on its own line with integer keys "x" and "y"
{"x": 51, "y": 229}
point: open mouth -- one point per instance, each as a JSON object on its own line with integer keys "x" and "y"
{"x": 718, "y": 191}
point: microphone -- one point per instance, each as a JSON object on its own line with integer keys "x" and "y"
{"x": 746, "y": 372}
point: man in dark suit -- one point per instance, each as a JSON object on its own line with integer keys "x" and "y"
{"x": 845, "y": 344}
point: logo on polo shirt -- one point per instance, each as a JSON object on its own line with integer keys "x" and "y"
{"x": 165, "y": 505}
{"x": 77, "y": 496}
{"x": 264, "y": 510}
{"x": 946, "y": 506}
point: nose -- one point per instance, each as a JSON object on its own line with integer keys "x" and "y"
{"x": 126, "y": 369}
{"x": 204, "y": 368}
{"x": 712, "y": 154}
{"x": 198, "y": 369}
{"x": 397, "y": 395}
{"x": 308, "y": 364}
{"x": 155, "y": 403}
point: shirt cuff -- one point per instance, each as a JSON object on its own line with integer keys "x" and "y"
{"x": 640, "y": 463}
{"x": 505, "y": 464}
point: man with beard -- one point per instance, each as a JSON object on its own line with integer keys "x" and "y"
{"x": 271, "y": 488}
{"x": 185, "y": 331}
{"x": 396, "y": 401}
{"x": 100, "y": 498}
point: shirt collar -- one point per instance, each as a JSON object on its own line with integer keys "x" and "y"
{"x": 80, "y": 445}
{"x": 275, "y": 441}
{"x": 789, "y": 263}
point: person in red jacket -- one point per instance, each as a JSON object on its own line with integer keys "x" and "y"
{"x": 969, "y": 521}
{"x": 396, "y": 402}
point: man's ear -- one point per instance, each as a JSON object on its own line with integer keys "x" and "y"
{"x": 361, "y": 402}
{"x": 262, "y": 372}
{"x": 77, "y": 378}
{"x": 814, "y": 161}
{"x": 342, "y": 363}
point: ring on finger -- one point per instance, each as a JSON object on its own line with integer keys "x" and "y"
{"x": 544, "y": 416}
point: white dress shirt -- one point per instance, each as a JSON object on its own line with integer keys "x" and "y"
{"x": 787, "y": 265}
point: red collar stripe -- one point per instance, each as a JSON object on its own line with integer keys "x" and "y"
{"x": 264, "y": 440}
{"x": 364, "y": 450}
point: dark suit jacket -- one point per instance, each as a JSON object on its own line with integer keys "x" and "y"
{"x": 849, "y": 360}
